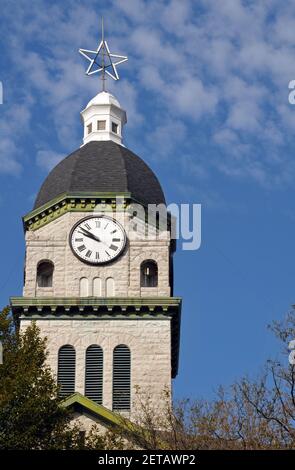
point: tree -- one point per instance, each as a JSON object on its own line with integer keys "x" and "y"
{"x": 252, "y": 414}
{"x": 273, "y": 396}
{"x": 30, "y": 413}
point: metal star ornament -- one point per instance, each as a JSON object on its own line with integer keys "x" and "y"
{"x": 101, "y": 60}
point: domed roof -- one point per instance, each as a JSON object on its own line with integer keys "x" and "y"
{"x": 102, "y": 167}
{"x": 104, "y": 98}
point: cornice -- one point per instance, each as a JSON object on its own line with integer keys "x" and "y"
{"x": 136, "y": 304}
{"x": 100, "y": 308}
{"x": 83, "y": 202}
{"x": 74, "y": 202}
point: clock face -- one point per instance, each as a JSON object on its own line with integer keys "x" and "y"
{"x": 97, "y": 240}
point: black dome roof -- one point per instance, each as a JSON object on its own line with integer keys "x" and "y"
{"x": 102, "y": 167}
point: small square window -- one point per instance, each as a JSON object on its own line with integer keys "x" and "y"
{"x": 101, "y": 125}
{"x": 115, "y": 127}
{"x": 89, "y": 128}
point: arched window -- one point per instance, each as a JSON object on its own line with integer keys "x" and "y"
{"x": 149, "y": 274}
{"x": 94, "y": 373}
{"x": 97, "y": 287}
{"x": 110, "y": 287}
{"x": 121, "y": 378}
{"x": 45, "y": 274}
{"x": 66, "y": 370}
{"x": 84, "y": 287}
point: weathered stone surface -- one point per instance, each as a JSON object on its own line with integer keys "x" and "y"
{"x": 149, "y": 342}
{"x": 51, "y": 242}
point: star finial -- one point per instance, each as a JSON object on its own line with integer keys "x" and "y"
{"x": 101, "y": 60}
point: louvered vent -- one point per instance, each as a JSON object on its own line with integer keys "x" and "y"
{"x": 66, "y": 370}
{"x": 121, "y": 378}
{"x": 94, "y": 373}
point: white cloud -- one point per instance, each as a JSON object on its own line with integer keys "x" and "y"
{"x": 228, "y": 63}
{"x": 47, "y": 159}
{"x": 165, "y": 137}
{"x": 14, "y": 124}
{"x": 192, "y": 98}
{"x": 8, "y": 153}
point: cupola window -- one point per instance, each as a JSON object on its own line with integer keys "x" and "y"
{"x": 45, "y": 274}
{"x": 149, "y": 274}
{"x": 115, "y": 128}
{"x": 89, "y": 128}
{"x": 101, "y": 125}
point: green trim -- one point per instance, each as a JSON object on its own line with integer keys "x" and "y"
{"x": 96, "y": 301}
{"x": 73, "y": 202}
{"x": 106, "y": 417}
{"x": 36, "y": 316}
{"x": 103, "y": 414}
{"x": 85, "y": 203}
{"x": 76, "y": 195}
{"x": 95, "y": 306}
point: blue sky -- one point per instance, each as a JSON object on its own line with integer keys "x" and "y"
{"x": 206, "y": 92}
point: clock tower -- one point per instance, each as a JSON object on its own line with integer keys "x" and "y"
{"x": 99, "y": 274}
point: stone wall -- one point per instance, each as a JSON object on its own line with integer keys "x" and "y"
{"x": 51, "y": 242}
{"x": 149, "y": 342}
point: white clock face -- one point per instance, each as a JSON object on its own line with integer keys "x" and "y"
{"x": 97, "y": 240}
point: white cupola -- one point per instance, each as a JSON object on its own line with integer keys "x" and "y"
{"x": 103, "y": 119}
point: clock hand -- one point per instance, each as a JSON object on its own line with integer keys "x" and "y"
{"x": 89, "y": 235}
{"x": 94, "y": 237}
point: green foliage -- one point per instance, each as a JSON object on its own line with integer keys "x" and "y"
{"x": 30, "y": 413}
{"x": 252, "y": 414}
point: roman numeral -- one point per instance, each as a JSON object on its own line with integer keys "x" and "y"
{"x": 97, "y": 255}
{"x": 108, "y": 254}
{"x": 97, "y": 223}
{"x": 88, "y": 254}
{"x": 88, "y": 226}
{"x": 82, "y": 248}
{"x": 114, "y": 231}
{"x": 106, "y": 226}
{"x": 78, "y": 239}
{"x": 113, "y": 247}
{"x": 116, "y": 239}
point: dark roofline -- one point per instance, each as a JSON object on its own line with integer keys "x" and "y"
{"x": 102, "y": 167}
